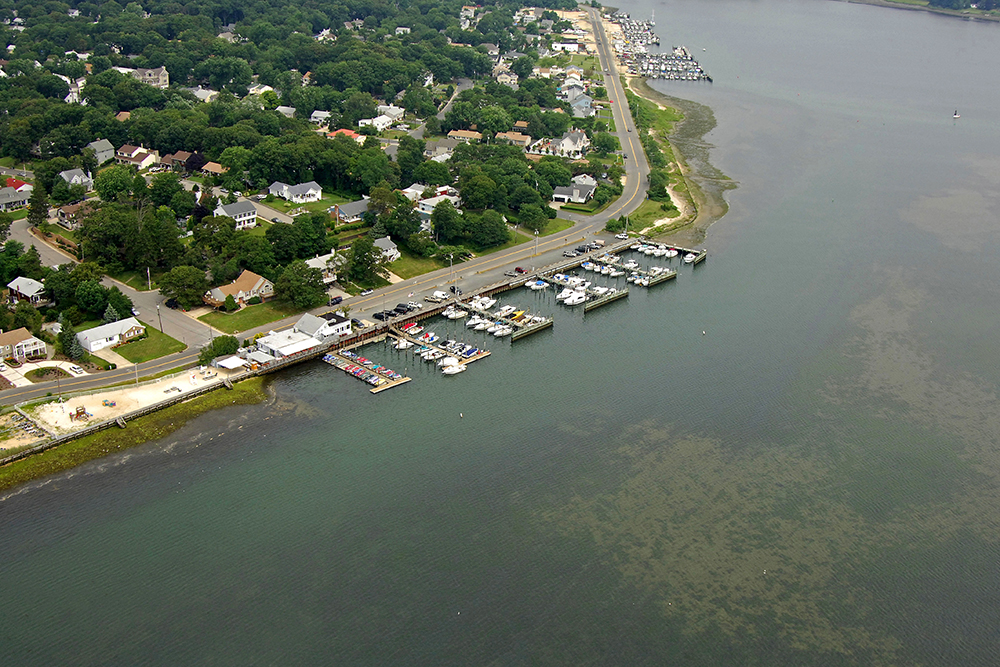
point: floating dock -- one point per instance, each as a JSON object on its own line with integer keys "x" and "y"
{"x": 398, "y": 334}
{"x": 604, "y": 300}
{"x": 367, "y": 371}
{"x": 520, "y": 328}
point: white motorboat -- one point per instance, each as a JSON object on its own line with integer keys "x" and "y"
{"x": 453, "y": 369}
{"x": 672, "y": 252}
{"x": 538, "y": 285}
{"x": 486, "y": 302}
{"x": 660, "y": 252}
{"x": 483, "y": 325}
{"x": 565, "y": 293}
{"x": 473, "y": 321}
{"x": 447, "y": 361}
{"x": 493, "y": 327}
{"x": 506, "y": 310}
{"x": 635, "y": 246}
{"x": 575, "y": 299}
{"x": 631, "y": 264}
{"x": 649, "y": 250}
{"x": 582, "y": 287}
{"x": 600, "y": 291}
{"x": 403, "y": 344}
{"x": 688, "y": 258}
{"x": 616, "y": 273}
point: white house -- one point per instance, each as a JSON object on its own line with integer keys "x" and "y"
{"x": 584, "y": 179}
{"x": 20, "y": 344}
{"x": 319, "y": 117}
{"x": 575, "y": 193}
{"x": 328, "y": 324}
{"x": 243, "y": 212}
{"x": 287, "y": 112}
{"x": 426, "y": 206}
{"x": 380, "y": 123}
{"x": 568, "y": 47}
{"x": 299, "y": 194}
{"x": 327, "y": 265}
{"x": 388, "y": 248}
{"x": 26, "y": 289}
{"x": 77, "y": 177}
{"x": 391, "y": 110}
{"x": 573, "y": 143}
{"x": 11, "y": 199}
{"x": 402, "y": 30}
{"x": 109, "y": 335}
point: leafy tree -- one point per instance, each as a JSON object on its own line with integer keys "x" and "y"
{"x": 113, "y": 183}
{"x": 183, "y": 203}
{"x": 523, "y": 66}
{"x": 478, "y": 191}
{"x": 91, "y": 296}
{"x": 27, "y": 316}
{"x": 421, "y": 243}
{"x": 219, "y": 347}
{"x": 6, "y": 220}
{"x": 603, "y": 143}
{"x": 121, "y": 303}
{"x": 67, "y": 340}
{"x": 230, "y": 305}
{"x": 38, "y": 206}
{"x": 446, "y": 222}
{"x": 366, "y": 260}
{"x": 301, "y": 285}
{"x": 164, "y": 187}
{"x": 184, "y": 283}
{"x": 29, "y": 264}
{"x": 533, "y": 217}
{"x": 487, "y": 230}
{"x": 432, "y": 173}
{"x": 110, "y": 315}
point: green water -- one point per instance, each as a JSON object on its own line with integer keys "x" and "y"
{"x": 812, "y": 481}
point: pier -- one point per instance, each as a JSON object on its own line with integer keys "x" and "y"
{"x": 380, "y": 377}
{"x": 604, "y": 300}
{"x": 398, "y": 334}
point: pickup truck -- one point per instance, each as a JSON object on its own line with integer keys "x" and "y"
{"x": 433, "y": 299}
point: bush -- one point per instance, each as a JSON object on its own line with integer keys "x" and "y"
{"x": 254, "y": 301}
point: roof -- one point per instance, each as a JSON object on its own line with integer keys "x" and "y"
{"x": 309, "y": 324}
{"x": 247, "y": 281}
{"x": 571, "y": 190}
{"x": 238, "y": 208}
{"x": 15, "y": 183}
{"x": 385, "y": 243}
{"x": 101, "y": 145}
{"x": 109, "y": 330}
{"x": 230, "y": 363}
{"x": 70, "y": 174}
{"x": 27, "y": 286}
{"x": 10, "y": 194}
{"x": 288, "y": 342}
{"x": 128, "y": 149}
{"x": 321, "y": 261}
{"x": 513, "y": 136}
{"x": 464, "y": 134}
{"x": 353, "y": 208}
{"x": 303, "y": 188}
{"x": 14, "y": 337}
{"x": 335, "y": 318}
{"x": 214, "y": 167}
{"x": 347, "y": 133}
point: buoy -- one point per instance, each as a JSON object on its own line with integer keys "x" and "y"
{"x": 460, "y": 414}
{"x": 702, "y": 333}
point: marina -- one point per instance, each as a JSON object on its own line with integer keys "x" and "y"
{"x": 631, "y": 46}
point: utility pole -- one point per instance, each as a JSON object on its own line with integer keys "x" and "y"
{"x": 159, "y": 317}
{"x": 149, "y": 282}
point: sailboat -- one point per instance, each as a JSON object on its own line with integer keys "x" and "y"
{"x": 957, "y": 115}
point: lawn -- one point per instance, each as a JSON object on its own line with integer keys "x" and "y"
{"x": 409, "y": 265}
{"x": 261, "y": 228}
{"x": 153, "y": 346}
{"x": 249, "y": 317}
{"x": 648, "y": 213}
{"x": 136, "y": 280}
{"x": 323, "y": 204}
{"x": 556, "y": 226}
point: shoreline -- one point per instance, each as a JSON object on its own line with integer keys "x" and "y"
{"x": 944, "y": 11}
{"x": 706, "y": 184}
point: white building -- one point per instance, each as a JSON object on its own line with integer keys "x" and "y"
{"x": 298, "y": 194}
{"x": 327, "y": 265}
{"x": 388, "y": 248}
{"x": 77, "y": 177}
{"x": 286, "y": 343}
{"x": 391, "y": 110}
{"x": 328, "y": 324}
{"x": 20, "y": 344}
{"x": 103, "y": 150}
{"x": 243, "y": 212}
{"x": 380, "y": 123}
{"x": 109, "y": 335}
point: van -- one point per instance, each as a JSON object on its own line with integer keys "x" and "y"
{"x": 440, "y": 295}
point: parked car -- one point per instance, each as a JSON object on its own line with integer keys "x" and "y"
{"x": 621, "y": 236}
{"x": 172, "y": 303}
{"x": 509, "y": 274}
{"x": 356, "y": 323}
{"x": 414, "y": 305}
{"x": 518, "y": 270}
{"x": 367, "y": 292}
{"x": 275, "y": 219}
{"x": 582, "y": 248}
{"x": 570, "y": 253}
{"x": 334, "y": 300}
{"x": 3, "y": 367}
{"x": 135, "y": 311}
{"x": 381, "y": 316}
{"x": 76, "y": 369}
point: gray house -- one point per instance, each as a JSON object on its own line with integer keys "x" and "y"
{"x": 103, "y": 150}
{"x": 77, "y": 177}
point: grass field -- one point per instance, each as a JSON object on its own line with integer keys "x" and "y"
{"x": 249, "y": 317}
{"x": 648, "y": 213}
{"x": 326, "y": 202}
{"x": 153, "y": 346}
{"x": 261, "y": 228}
{"x": 409, "y": 265}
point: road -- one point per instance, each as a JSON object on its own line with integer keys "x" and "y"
{"x": 469, "y": 276}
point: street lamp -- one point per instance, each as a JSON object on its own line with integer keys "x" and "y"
{"x": 451, "y": 271}
{"x": 536, "y": 241}
{"x": 159, "y": 317}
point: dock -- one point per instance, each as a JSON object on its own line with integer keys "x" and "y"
{"x": 521, "y": 329}
{"x": 399, "y": 334}
{"x": 604, "y": 300}
{"x": 366, "y": 370}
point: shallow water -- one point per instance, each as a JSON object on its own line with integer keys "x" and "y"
{"x": 813, "y": 480}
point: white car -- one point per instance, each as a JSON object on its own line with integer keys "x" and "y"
{"x": 76, "y": 369}
{"x": 621, "y": 236}
{"x": 135, "y": 311}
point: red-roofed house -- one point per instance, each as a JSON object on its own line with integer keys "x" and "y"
{"x": 18, "y": 184}
{"x": 350, "y": 134}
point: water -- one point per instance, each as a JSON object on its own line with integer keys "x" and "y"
{"x": 813, "y": 481}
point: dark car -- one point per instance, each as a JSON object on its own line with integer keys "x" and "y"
{"x": 275, "y": 219}
{"x": 454, "y": 290}
{"x": 334, "y": 300}
{"x": 383, "y": 315}
{"x": 582, "y": 248}
{"x": 172, "y": 303}
{"x": 356, "y": 323}
{"x": 404, "y": 307}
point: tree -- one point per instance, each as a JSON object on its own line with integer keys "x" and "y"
{"x": 164, "y": 187}
{"x": 603, "y": 143}
{"x": 6, "y": 219}
{"x": 487, "y": 230}
{"x": 522, "y": 67}
{"x": 432, "y": 173}
{"x": 366, "y": 260}
{"x": 446, "y": 222}
{"x": 91, "y": 296}
{"x": 27, "y": 316}
{"x": 110, "y": 315}
{"x": 113, "y": 183}
{"x": 533, "y": 217}
{"x": 184, "y": 283}
{"x": 38, "y": 206}
{"x": 478, "y": 191}
{"x": 220, "y": 346}
{"x": 121, "y": 303}
{"x": 301, "y": 285}
{"x": 67, "y": 339}
{"x": 230, "y": 305}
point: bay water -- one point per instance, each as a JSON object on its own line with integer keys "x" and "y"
{"x": 789, "y": 455}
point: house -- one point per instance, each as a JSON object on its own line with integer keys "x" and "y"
{"x": 287, "y": 112}
{"x": 103, "y": 150}
{"x": 327, "y": 265}
{"x": 243, "y": 212}
{"x": 71, "y": 215}
{"x": 328, "y": 324}
{"x": 203, "y": 94}
{"x": 286, "y": 343}
{"x": 320, "y": 117}
{"x": 584, "y": 179}
{"x": 508, "y": 79}
{"x": 465, "y": 135}
{"x": 574, "y": 143}
{"x": 520, "y": 125}
{"x": 228, "y": 36}
{"x": 27, "y": 289}
{"x": 388, "y": 248}
{"x": 575, "y": 70}
{"x": 136, "y": 156}
{"x": 515, "y": 138}
{"x": 19, "y": 185}
{"x": 244, "y": 288}
{"x": 492, "y": 50}
{"x": 111, "y": 334}
{"x": 440, "y": 150}
{"x": 11, "y": 199}
{"x": 380, "y": 123}
{"x": 583, "y": 106}
{"x": 568, "y": 47}
{"x": 414, "y": 192}
{"x": 426, "y": 206}
{"x": 213, "y": 169}
{"x": 157, "y": 78}
{"x": 299, "y": 194}
{"x": 392, "y": 111}
{"x": 402, "y": 30}
{"x": 77, "y": 177}
{"x": 349, "y": 213}
{"x": 123, "y": 116}
{"x": 575, "y": 193}
{"x": 571, "y": 90}
{"x": 177, "y": 161}
{"x": 20, "y": 344}
{"x": 350, "y": 134}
